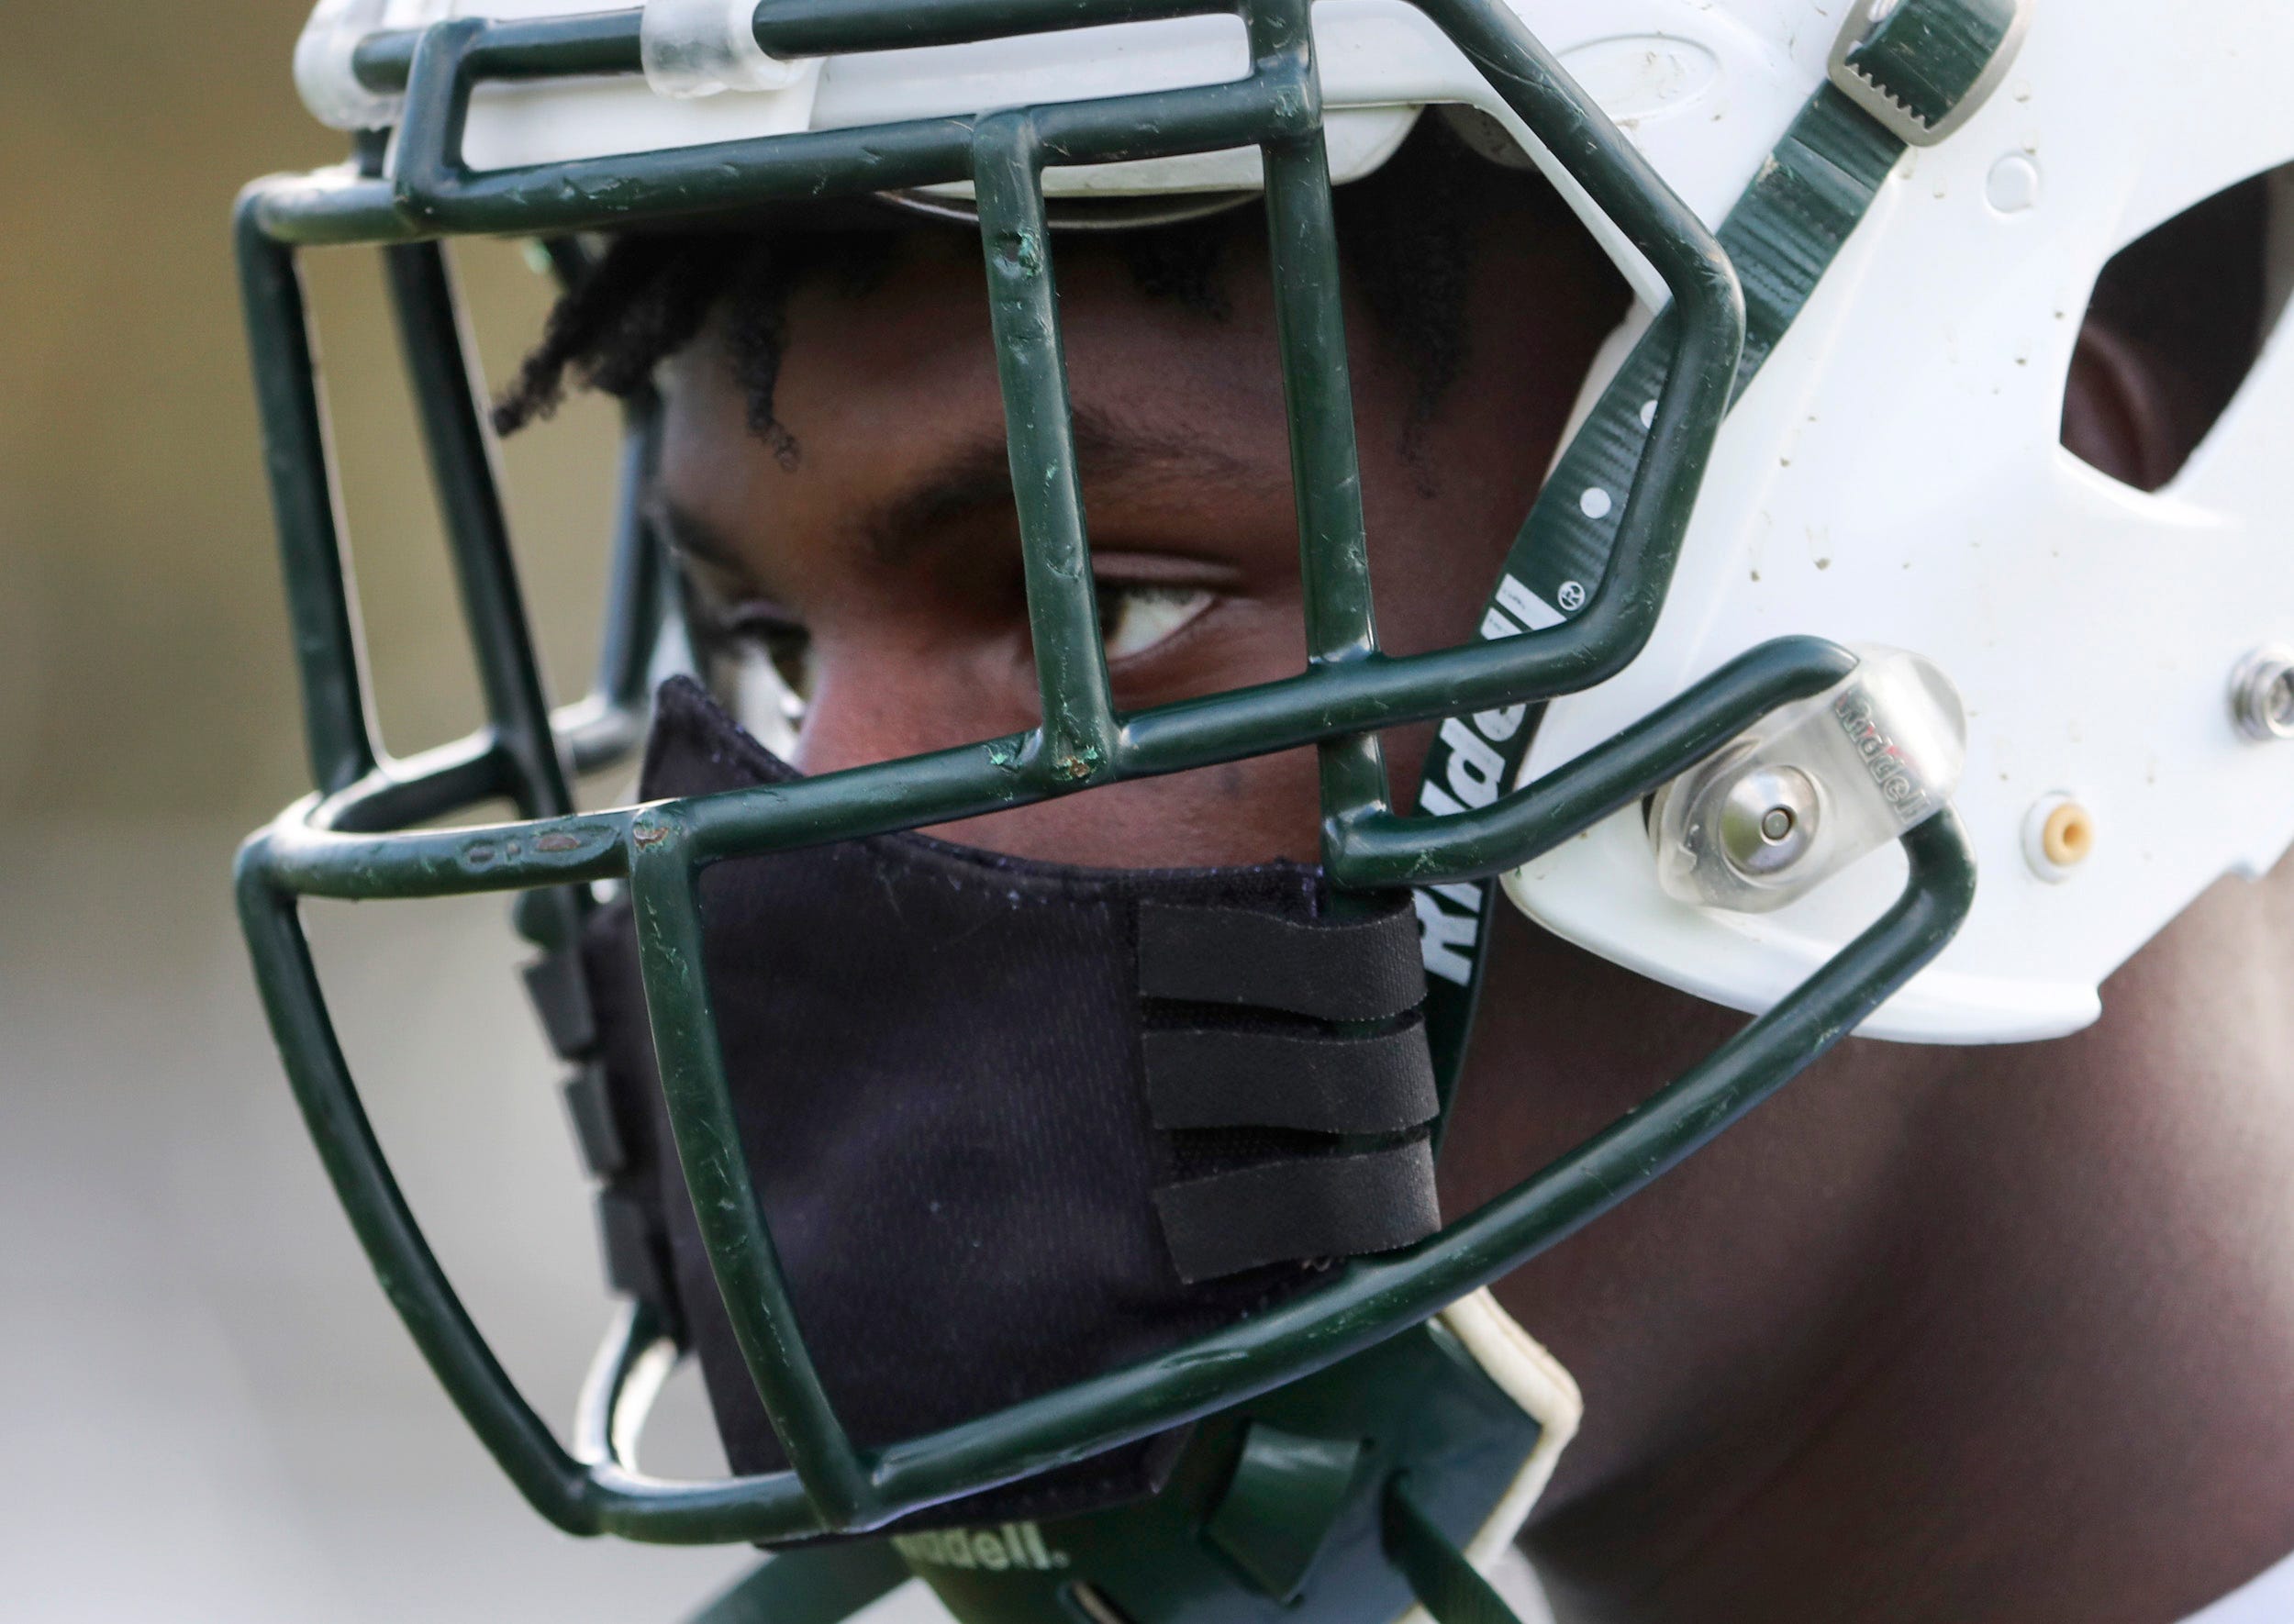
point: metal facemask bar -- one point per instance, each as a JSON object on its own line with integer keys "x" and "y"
{"x": 353, "y": 839}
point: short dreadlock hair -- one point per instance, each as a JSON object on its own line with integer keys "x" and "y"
{"x": 1406, "y": 235}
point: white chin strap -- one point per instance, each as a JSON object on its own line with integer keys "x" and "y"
{"x": 1533, "y": 1379}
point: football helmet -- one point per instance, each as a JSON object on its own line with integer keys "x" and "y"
{"x": 1814, "y": 616}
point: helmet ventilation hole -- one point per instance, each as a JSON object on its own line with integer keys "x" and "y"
{"x": 2177, "y": 320}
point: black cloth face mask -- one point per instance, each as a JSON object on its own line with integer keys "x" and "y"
{"x": 1013, "y": 1123}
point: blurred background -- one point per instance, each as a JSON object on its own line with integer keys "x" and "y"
{"x": 215, "y": 1414}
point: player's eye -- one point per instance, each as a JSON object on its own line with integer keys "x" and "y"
{"x": 1135, "y": 617}
{"x": 789, "y": 647}
{"x": 774, "y": 664}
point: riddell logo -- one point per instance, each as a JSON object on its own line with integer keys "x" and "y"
{"x": 1466, "y": 768}
{"x": 1898, "y": 779}
{"x": 1015, "y": 1545}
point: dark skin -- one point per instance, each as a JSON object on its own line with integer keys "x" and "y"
{"x": 1960, "y": 1335}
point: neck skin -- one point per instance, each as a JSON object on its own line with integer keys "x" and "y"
{"x": 1967, "y": 1335}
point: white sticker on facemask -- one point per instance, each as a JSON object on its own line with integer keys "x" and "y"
{"x": 697, "y": 47}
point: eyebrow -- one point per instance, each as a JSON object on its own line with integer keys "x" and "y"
{"x": 972, "y": 478}
{"x": 976, "y": 477}
{"x": 689, "y": 537}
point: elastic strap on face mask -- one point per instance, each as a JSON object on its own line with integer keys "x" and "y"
{"x": 1302, "y": 1038}
{"x": 1365, "y": 968}
{"x": 1783, "y": 235}
{"x": 1317, "y": 1082}
{"x": 630, "y": 1232}
{"x": 1323, "y": 1207}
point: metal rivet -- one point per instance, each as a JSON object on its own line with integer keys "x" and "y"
{"x": 2262, "y": 694}
{"x": 1768, "y": 820}
{"x": 2058, "y": 836}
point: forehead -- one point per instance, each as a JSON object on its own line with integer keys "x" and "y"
{"x": 902, "y": 303}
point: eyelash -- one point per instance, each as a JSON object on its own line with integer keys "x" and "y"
{"x": 1135, "y": 618}
{"x": 780, "y": 638}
